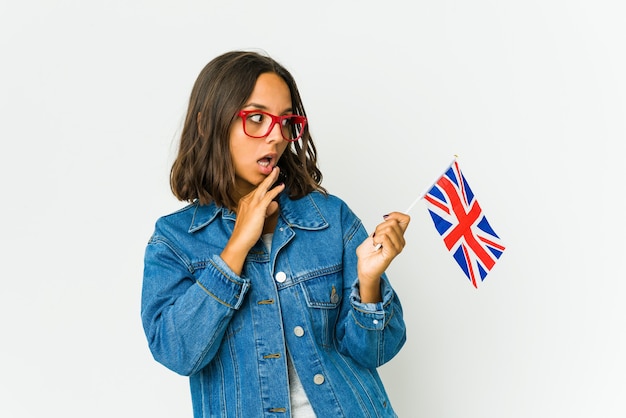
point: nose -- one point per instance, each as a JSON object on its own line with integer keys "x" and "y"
{"x": 275, "y": 134}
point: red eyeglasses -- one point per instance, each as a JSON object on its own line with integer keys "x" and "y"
{"x": 259, "y": 124}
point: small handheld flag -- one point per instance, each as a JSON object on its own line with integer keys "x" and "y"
{"x": 460, "y": 221}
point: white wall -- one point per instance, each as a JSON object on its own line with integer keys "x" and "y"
{"x": 530, "y": 95}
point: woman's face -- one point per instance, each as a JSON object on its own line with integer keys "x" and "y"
{"x": 254, "y": 158}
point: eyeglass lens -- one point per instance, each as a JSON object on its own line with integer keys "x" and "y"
{"x": 260, "y": 124}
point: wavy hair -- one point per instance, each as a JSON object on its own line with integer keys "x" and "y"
{"x": 203, "y": 169}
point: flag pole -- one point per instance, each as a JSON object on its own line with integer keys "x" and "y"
{"x": 421, "y": 196}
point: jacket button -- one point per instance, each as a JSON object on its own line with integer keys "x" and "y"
{"x": 318, "y": 379}
{"x": 281, "y": 277}
{"x": 299, "y": 331}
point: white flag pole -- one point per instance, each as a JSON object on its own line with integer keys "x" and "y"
{"x": 426, "y": 190}
{"x": 421, "y": 196}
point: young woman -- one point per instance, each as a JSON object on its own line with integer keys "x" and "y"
{"x": 265, "y": 290}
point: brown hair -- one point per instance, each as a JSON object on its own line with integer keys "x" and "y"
{"x": 203, "y": 169}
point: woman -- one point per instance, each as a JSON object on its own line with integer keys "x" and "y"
{"x": 265, "y": 290}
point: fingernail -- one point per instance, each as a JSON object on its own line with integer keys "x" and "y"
{"x": 385, "y": 216}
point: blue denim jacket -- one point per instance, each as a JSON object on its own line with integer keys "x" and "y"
{"x": 231, "y": 333}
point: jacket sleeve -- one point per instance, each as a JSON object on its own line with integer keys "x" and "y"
{"x": 370, "y": 333}
{"x": 185, "y": 312}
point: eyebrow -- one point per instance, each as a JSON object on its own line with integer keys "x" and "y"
{"x": 263, "y": 107}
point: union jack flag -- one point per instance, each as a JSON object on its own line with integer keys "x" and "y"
{"x": 461, "y": 223}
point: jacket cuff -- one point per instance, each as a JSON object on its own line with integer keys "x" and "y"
{"x": 372, "y": 316}
{"x": 222, "y": 284}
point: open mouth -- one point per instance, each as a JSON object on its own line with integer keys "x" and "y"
{"x": 265, "y": 161}
{"x": 266, "y": 164}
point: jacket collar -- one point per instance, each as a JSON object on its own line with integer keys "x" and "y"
{"x": 302, "y": 213}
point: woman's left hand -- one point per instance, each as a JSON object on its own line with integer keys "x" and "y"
{"x": 376, "y": 253}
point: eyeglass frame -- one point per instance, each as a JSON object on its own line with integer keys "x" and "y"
{"x": 275, "y": 120}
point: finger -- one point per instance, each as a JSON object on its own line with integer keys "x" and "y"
{"x": 273, "y": 193}
{"x": 389, "y": 233}
{"x": 397, "y": 240}
{"x": 264, "y": 193}
{"x": 268, "y": 181}
{"x": 401, "y": 218}
{"x": 271, "y": 209}
{"x": 392, "y": 240}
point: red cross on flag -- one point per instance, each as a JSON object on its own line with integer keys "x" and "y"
{"x": 460, "y": 221}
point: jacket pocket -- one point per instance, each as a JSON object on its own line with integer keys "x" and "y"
{"x": 323, "y": 293}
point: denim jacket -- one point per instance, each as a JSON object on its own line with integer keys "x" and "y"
{"x": 231, "y": 333}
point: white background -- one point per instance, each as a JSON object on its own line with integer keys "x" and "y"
{"x": 530, "y": 94}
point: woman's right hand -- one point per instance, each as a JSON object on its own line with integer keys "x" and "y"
{"x": 252, "y": 211}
